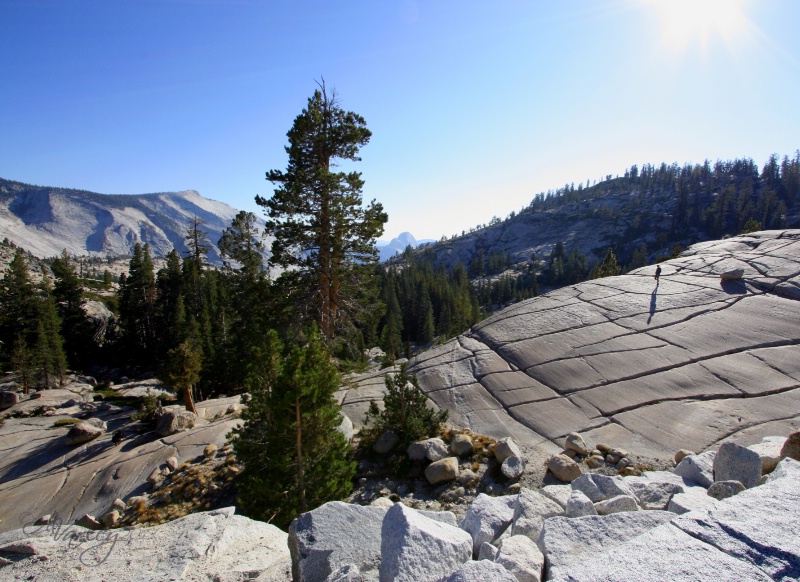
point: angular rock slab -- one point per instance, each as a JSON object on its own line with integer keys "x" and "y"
{"x": 601, "y": 487}
{"x": 570, "y": 541}
{"x": 698, "y": 469}
{"x": 760, "y": 526}
{"x": 737, "y": 463}
{"x": 520, "y": 556}
{"x": 579, "y": 505}
{"x": 482, "y": 571}
{"x": 319, "y": 548}
{"x": 618, "y": 504}
{"x": 487, "y": 518}
{"x": 558, "y": 493}
{"x": 530, "y": 511}
{"x": 665, "y": 553}
{"x": 417, "y": 548}
{"x": 691, "y": 499}
{"x": 201, "y": 546}
{"x": 654, "y": 491}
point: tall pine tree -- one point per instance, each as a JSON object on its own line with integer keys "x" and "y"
{"x": 322, "y": 231}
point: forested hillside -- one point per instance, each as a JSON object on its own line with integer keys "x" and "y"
{"x": 576, "y": 233}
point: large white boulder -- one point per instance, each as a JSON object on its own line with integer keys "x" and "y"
{"x": 698, "y": 469}
{"x": 487, "y": 518}
{"x": 482, "y": 571}
{"x": 690, "y": 499}
{"x": 334, "y": 535}
{"x": 417, "y": 548}
{"x": 85, "y": 431}
{"x": 319, "y": 547}
{"x": 579, "y": 505}
{"x": 530, "y": 511}
{"x": 737, "y": 463}
{"x": 769, "y": 449}
{"x": 521, "y": 556}
{"x": 616, "y": 504}
{"x": 558, "y": 493}
{"x": 433, "y": 449}
{"x": 654, "y": 489}
{"x": 175, "y": 420}
{"x": 601, "y": 487}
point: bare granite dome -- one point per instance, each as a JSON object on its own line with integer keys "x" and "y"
{"x": 685, "y": 363}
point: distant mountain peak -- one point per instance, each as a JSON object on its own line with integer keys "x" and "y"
{"x": 398, "y": 245}
{"x": 46, "y": 220}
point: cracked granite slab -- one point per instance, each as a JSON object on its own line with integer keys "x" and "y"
{"x": 685, "y": 363}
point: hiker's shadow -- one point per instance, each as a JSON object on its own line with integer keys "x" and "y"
{"x": 653, "y": 297}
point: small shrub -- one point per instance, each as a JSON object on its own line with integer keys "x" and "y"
{"x": 752, "y": 225}
{"x": 148, "y": 409}
{"x": 405, "y": 411}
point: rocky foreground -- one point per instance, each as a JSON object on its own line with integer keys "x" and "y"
{"x": 688, "y": 362}
{"x": 729, "y": 515}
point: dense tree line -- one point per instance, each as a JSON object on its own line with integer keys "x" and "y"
{"x": 423, "y": 302}
{"x": 30, "y": 326}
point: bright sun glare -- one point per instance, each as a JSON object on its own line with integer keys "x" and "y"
{"x": 684, "y": 22}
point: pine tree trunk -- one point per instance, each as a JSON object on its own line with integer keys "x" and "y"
{"x": 188, "y": 399}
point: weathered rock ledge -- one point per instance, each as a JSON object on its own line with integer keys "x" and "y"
{"x": 45, "y": 471}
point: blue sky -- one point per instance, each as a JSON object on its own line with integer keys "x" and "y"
{"x": 474, "y": 106}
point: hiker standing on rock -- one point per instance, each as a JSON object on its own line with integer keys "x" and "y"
{"x": 658, "y": 273}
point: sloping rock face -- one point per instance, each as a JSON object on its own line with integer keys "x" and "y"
{"x": 214, "y": 545}
{"x": 40, "y": 473}
{"x": 685, "y": 363}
